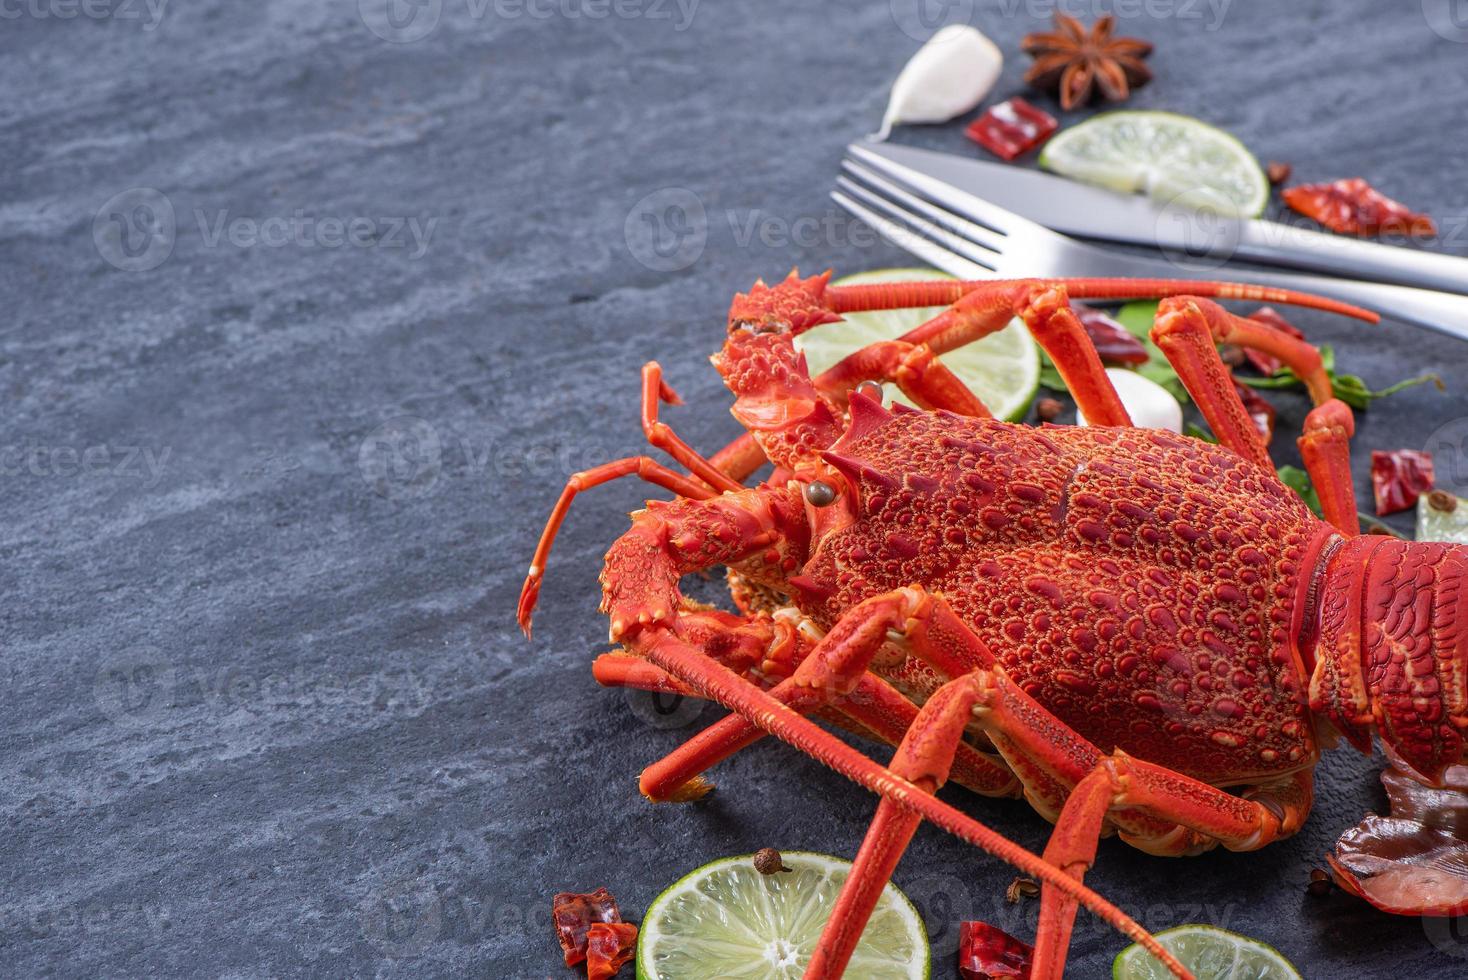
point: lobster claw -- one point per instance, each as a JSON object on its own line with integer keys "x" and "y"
{"x": 1414, "y": 861}
{"x": 792, "y": 306}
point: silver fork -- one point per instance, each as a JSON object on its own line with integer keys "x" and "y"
{"x": 973, "y": 239}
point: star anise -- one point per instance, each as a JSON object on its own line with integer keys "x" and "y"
{"x": 1076, "y": 63}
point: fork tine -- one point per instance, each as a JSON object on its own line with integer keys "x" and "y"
{"x": 914, "y": 227}
{"x": 973, "y": 208}
{"x": 931, "y": 252}
{"x": 959, "y": 225}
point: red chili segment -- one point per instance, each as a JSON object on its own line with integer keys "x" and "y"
{"x": 1012, "y": 128}
{"x": 1399, "y": 478}
{"x": 1112, "y": 341}
{"x": 574, "y": 915}
{"x": 986, "y": 952}
{"x": 1354, "y": 207}
{"x": 608, "y": 946}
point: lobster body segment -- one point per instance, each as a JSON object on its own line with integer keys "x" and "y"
{"x": 1139, "y": 584}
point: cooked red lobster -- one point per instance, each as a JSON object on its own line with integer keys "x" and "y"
{"x": 1143, "y": 633}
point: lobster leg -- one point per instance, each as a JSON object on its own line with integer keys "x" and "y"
{"x": 915, "y": 370}
{"x": 643, "y": 467}
{"x": 836, "y": 674}
{"x": 1187, "y": 329}
{"x": 1058, "y": 330}
{"x": 716, "y": 682}
{"x": 654, "y": 391}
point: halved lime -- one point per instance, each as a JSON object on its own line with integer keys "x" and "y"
{"x": 1210, "y": 953}
{"x": 1173, "y": 158}
{"x": 1003, "y": 369}
{"x": 727, "y": 920}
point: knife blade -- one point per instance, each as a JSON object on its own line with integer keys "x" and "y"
{"x": 1086, "y": 211}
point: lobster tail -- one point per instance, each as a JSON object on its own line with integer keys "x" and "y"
{"x": 1392, "y": 650}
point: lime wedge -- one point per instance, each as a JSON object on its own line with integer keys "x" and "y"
{"x": 1177, "y": 160}
{"x": 1211, "y": 954}
{"x": 1450, "y": 526}
{"x": 728, "y": 920}
{"x": 1003, "y": 369}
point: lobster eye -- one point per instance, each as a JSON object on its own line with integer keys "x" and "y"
{"x": 872, "y": 389}
{"x": 819, "y": 494}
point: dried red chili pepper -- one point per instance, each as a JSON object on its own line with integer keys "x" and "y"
{"x": 608, "y": 946}
{"x": 1399, "y": 478}
{"x": 1011, "y": 128}
{"x": 986, "y": 953}
{"x": 1112, "y": 341}
{"x": 1354, "y": 207}
{"x": 575, "y": 914}
{"x": 1259, "y": 409}
{"x": 1268, "y": 364}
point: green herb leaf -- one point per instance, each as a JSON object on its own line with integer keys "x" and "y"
{"x": 1299, "y": 481}
{"x": 1198, "y": 432}
{"x": 1349, "y": 388}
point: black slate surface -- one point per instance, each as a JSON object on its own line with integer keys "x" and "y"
{"x": 270, "y": 488}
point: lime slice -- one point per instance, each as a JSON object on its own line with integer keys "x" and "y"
{"x": 728, "y": 920}
{"x": 1175, "y": 159}
{"x": 1003, "y": 369}
{"x": 1211, "y": 954}
{"x": 1450, "y": 526}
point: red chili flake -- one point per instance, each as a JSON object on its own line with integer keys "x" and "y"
{"x": 1354, "y": 207}
{"x": 574, "y": 914}
{"x": 608, "y": 946}
{"x": 1399, "y": 478}
{"x": 1259, "y": 409}
{"x": 986, "y": 953}
{"x": 1012, "y": 128}
{"x": 1268, "y": 364}
{"x": 1112, "y": 341}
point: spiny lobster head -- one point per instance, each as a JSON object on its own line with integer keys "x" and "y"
{"x": 775, "y": 398}
{"x": 790, "y": 307}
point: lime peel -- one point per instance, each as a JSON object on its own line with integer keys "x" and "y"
{"x": 1209, "y": 953}
{"x": 1175, "y": 159}
{"x": 726, "y": 919}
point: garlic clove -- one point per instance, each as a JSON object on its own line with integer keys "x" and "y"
{"x": 949, "y": 75}
{"x": 1150, "y": 405}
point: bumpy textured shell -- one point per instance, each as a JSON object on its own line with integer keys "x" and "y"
{"x": 1140, "y": 585}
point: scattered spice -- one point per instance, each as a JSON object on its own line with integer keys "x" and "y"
{"x": 1399, "y": 478}
{"x": 986, "y": 953}
{"x": 1320, "y": 883}
{"x": 1011, "y": 128}
{"x": 1077, "y": 63}
{"x": 1278, "y": 172}
{"x": 1048, "y": 409}
{"x": 1354, "y": 207}
{"x": 1442, "y": 501}
{"x": 767, "y": 861}
{"x": 575, "y": 914}
{"x": 1114, "y": 342}
{"x": 1021, "y": 888}
{"x": 609, "y": 945}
